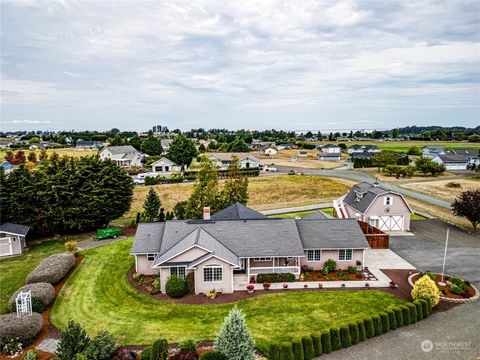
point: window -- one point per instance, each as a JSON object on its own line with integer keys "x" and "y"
{"x": 262, "y": 259}
{"x": 387, "y": 200}
{"x": 178, "y": 271}
{"x": 213, "y": 273}
{"x": 313, "y": 255}
{"x": 150, "y": 257}
{"x": 345, "y": 254}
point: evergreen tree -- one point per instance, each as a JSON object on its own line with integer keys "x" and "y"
{"x": 151, "y": 206}
{"x": 235, "y": 188}
{"x": 202, "y": 148}
{"x": 152, "y": 146}
{"x": 238, "y": 145}
{"x": 135, "y": 141}
{"x": 117, "y": 141}
{"x": 234, "y": 339}
{"x": 182, "y": 151}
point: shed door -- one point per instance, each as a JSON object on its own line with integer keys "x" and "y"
{"x": 6, "y": 246}
{"x": 391, "y": 223}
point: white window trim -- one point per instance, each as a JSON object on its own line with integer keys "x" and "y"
{"x": 148, "y": 255}
{"x": 212, "y": 267}
{"x": 351, "y": 252}
{"x": 261, "y": 259}
{"x": 181, "y": 266}
{"x": 313, "y": 252}
{"x": 388, "y": 200}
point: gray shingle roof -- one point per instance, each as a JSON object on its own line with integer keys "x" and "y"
{"x": 331, "y": 234}
{"x": 316, "y": 215}
{"x": 237, "y": 211}
{"x": 369, "y": 193}
{"x": 16, "y": 229}
{"x": 124, "y": 149}
{"x": 447, "y": 158}
{"x": 148, "y": 238}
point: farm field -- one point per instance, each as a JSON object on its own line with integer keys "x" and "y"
{"x": 284, "y": 158}
{"x": 269, "y": 192}
{"x": 417, "y": 177}
{"x": 61, "y": 152}
{"x": 444, "y": 189}
{"x": 403, "y": 146}
{"x": 99, "y": 296}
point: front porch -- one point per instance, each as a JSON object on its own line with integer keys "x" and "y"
{"x": 270, "y": 265}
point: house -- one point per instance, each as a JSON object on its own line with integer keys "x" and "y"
{"x": 361, "y": 155}
{"x": 125, "y": 155}
{"x": 286, "y": 146}
{"x": 12, "y": 239}
{"x": 246, "y": 160}
{"x": 165, "y": 166}
{"x": 84, "y": 144}
{"x": 302, "y": 153}
{"x": 385, "y": 209}
{"x": 166, "y": 143}
{"x": 452, "y": 161}
{"x": 331, "y": 149}
{"x": 238, "y": 242}
{"x": 432, "y": 151}
{"x": 269, "y": 151}
{"x": 328, "y": 156}
{"x": 359, "y": 149}
{"x": 5, "y": 143}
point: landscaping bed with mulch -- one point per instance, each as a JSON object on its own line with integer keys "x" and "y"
{"x": 337, "y": 275}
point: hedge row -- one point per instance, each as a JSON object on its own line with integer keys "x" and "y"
{"x": 275, "y": 277}
{"x": 308, "y": 347}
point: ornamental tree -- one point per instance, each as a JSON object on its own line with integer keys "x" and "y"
{"x": 234, "y": 339}
{"x": 467, "y": 205}
{"x": 425, "y": 288}
{"x": 151, "y": 206}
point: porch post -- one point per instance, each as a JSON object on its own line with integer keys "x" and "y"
{"x": 248, "y": 269}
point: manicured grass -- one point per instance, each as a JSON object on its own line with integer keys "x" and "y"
{"x": 404, "y": 146}
{"x": 99, "y": 296}
{"x": 416, "y": 217}
{"x": 291, "y": 215}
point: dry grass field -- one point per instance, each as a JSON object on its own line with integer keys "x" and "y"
{"x": 441, "y": 188}
{"x": 418, "y": 176}
{"x": 61, "y": 152}
{"x": 284, "y": 158}
{"x": 269, "y": 192}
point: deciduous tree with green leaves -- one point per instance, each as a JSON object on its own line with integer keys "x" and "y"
{"x": 182, "y": 151}
{"x": 235, "y": 188}
{"x": 152, "y": 145}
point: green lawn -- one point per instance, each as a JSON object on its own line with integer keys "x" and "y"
{"x": 416, "y": 217}
{"x": 300, "y": 214}
{"x": 98, "y": 295}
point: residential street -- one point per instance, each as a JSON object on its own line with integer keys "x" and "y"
{"x": 453, "y": 333}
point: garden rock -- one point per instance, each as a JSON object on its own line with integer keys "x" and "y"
{"x": 24, "y": 328}
{"x": 52, "y": 269}
{"x": 42, "y": 292}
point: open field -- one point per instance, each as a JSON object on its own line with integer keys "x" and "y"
{"x": 441, "y": 190}
{"x": 269, "y": 192}
{"x": 284, "y": 158}
{"x": 61, "y": 152}
{"x": 418, "y": 176}
{"x": 99, "y": 296}
{"x": 403, "y": 146}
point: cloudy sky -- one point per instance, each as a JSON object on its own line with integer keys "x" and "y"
{"x": 294, "y": 65}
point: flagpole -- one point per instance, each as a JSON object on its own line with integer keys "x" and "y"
{"x": 444, "y": 257}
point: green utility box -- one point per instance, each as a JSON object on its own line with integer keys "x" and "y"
{"x": 108, "y": 233}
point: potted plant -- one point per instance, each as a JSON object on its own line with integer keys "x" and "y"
{"x": 305, "y": 286}
{"x": 252, "y": 279}
{"x": 320, "y": 285}
{"x": 212, "y": 294}
{"x": 266, "y": 285}
{"x": 393, "y": 285}
{"x": 250, "y": 289}
{"x": 343, "y": 285}
{"x": 367, "y": 285}
{"x": 285, "y": 286}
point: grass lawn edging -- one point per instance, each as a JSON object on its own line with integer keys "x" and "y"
{"x": 351, "y": 333}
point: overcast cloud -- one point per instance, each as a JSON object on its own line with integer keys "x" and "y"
{"x": 239, "y": 64}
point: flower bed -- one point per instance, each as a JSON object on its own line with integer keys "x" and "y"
{"x": 336, "y": 275}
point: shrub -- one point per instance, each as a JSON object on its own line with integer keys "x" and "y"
{"x": 214, "y": 355}
{"x": 101, "y": 347}
{"x": 308, "y": 351}
{"x": 70, "y": 246}
{"x": 429, "y": 307}
{"x": 22, "y": 329}
{"x": 190, "y": 280}
{"x": 326, "y": 342}
{"x": 330, "y": 265}
{"x": 459, "y": 282}
{"x": 286, "y": 351}
{"x": 352, "y": 269}
{"x": 345, "y": 336}
{"x": 30, "y": 355}
{"x": 42, "y": 295}
{"x": 234, "y": 339}
{"x": 136, "y": 276}
{"x": 398, "y": 316}
{"x": 275, "y": 277}
{"x": 297, "y": 349}
{"x": 369, "y": 329}
{"x": 81, "y": 356}
{"x": 146, "y": 353}
{"x": 274, "y": 352}
{"x": 188, "y": 345}
{"x": 425, "y": 288}
{"x": 385, "y": 322}
{"x": 431, "y": 275}
{"x": 456, "y": 290}
{"x": 52, "y": 269}
{"x": 362, "y": 333}
{"x": 74, "y": 340}
{"x": 406, "y": 315}
{"x": 159, "y": 350}
{"x": 122, "y": 353}
{"x": 335, "y": 338}
{"x": 353, "y": 328}
{"x": 413, "y": 312}
{"x": 392, "y": 320}
{"x": 317, "y": 345}
{"x": 419, "y": 307}
{"x": 176, "y": 286}
{"x": 377, "y": 325}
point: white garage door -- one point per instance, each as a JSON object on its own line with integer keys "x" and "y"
{"x": 391, "y": 223}
{"x": 6, "y": 246}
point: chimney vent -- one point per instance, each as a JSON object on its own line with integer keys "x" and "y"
{"x": 206, "y": 213}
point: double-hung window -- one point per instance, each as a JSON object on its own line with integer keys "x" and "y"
{"x": 345, "y": 254}
{"x": 314, "y": 255}
{"x": 178, "y": 271}
{"x": 262, "y": 259}
{"x": 150, "y": 257}
{"x": 213, "y": 273}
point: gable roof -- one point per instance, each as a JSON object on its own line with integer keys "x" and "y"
{"x": 331, "y": 234}
{"x": 124, "y": 149}
{"x": 165, "y": 161}
{"x": 16, "y": 229}
{"x": 148, "y": 238}
{"x": 227, "y": 156}
{"x": 316, "y": 215}
{"x": 466, "y": 152}
{"x": 330, "y": 146}
{"x": 237, "y": 211}
{"x": 452, "y": 158}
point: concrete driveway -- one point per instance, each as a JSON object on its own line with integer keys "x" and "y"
{"x": 425, "y": 249}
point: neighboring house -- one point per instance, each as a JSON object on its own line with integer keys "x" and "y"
{"x": 246, "y": 160}
{"x": 6, "y": 167}
{"x": 452, "y": 161}
{"x": 125, "y": 155}
{"x": 269, "y": 151}
{"x": 327, "y": 156}
{"x": 243, "y": 242}
{"x": 286, "y": 146}
{"x": 360, "y": 149}
{"x": 5, "y": 143}
{"x": 166, "y": 143}
{"x": 331, "y": 149}
{"x": 165, "y": 166}
{"x": 12, "y": 239}
{"x": 302, "y": 153}
{"x": 432, "y": 151}
{"x": 379, "y": 207}
{"x": 361, "y": 155}
{"x": 84, "y": 144}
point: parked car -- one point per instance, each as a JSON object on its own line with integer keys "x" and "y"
{"x": 108, "y": 233}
